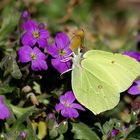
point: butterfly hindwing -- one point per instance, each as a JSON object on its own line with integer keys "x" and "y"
{"x": 94, "y": 94}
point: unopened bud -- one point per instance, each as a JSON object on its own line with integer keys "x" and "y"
{"x": 33, "y": 98}
{"x": 26, "y": 89}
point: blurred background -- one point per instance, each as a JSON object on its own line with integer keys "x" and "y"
{"x": 107, "y": 24}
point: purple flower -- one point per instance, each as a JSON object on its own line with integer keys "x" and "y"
{"x": 135, "y": 88}
{"x": 60, "y": 51}
{"x": 34, "y": 34}
{"x": 41, "y": 26}
{"x": 133, "y": 54}
{"x": 23, "y": 134}
{"x": 4, "y": 110}
{"x": 114, "y": 132}
{"x": 37, "y": 58}
{"x": 25, "y": 14}
{"x": 67, "y": 107}
{"x": 61, "y": 66}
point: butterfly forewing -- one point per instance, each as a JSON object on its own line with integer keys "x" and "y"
{"x": 116, "y": 70}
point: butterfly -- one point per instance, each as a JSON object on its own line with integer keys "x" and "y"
{"x": 98, "y": 78}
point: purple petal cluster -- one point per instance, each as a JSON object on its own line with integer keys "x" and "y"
{"x": 35, "y": 56}
{"x": 34, "y": 34}
{"x": 23, "y": 134}
{"x": 60, "y": 52}
{"x": 114, "y": 132}
{"x": 67, "y": 107}
{"x": 133, "y": 54}
{"x": 25, "y": 14}
{"x": 135, "y": 88}
{"x": 4, "y": 110}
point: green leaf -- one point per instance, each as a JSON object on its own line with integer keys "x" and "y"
{"x": 135, "y": 134}
{"x": 36, "y": 87}
{"x": 9, "y": 65}
{"x": 61, "y": 137}
{"x": 18, "y": 111}
{"x": 10, "y": 21}
{"x": 6, "y": 89}
{"x": 22, "y": 124}
{"x": 108, "y": 126}
{"x": 63, "y": 127}
{"x": 15, "y": 71}
{"x": 83, "y": 132}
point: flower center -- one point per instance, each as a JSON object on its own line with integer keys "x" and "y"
{"x": 67, "y": 104}
{"x": 35, "y": 34}
{"x": 33, "y": 56}
{"x": 61, "y": 52}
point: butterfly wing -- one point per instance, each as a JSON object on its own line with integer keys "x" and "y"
{"x": 100, "y": 77}
{"x": 116, "y": 69}
{"x": 91, "y": 92}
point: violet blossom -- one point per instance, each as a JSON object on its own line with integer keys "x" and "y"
{"x": 133, "y": 54}
{"x": 67, "y": 107}
{"x": 34, "y": 34}
{"x": 37, "y": 58}
{"x": 25, "y": 14}
{"x": 23, "y": 134}
{"x": 60, "y": 52}
{"x": 114, "y": 132}
{"x": 4, "y": 110}
{"x": 135, "y": 88}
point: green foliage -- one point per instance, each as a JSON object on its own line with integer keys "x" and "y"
{"x": 135, "y": 134}
{"x": 9, "y": 23}
{"x": 83, "y": 132}
{"x": 10, "y": 66}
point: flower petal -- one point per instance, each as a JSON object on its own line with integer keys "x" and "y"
{"x": 61, "y": 66}
{"x": 30, "y": 25}
{"x": 35, "y": 66}
{"x": 77, "y": 106}
{"x": 43, "y": 65}
{"x": 53, "y": 51}
{"x": 24, "y": 54}
{"x": 134, "y": 90}
{"x": 59, "y": 106}
{"x": 137, "y": 82}
{"x": 44, "y": 34}
{"x": 65, "y": 113}
{"x": 40, "y": 55}
{"x": 63, "y": 99}
{"x": 133, "y": 54}
{"x": 73, "y": 113}
{"x": 28, "y": 39}
{"x": 114, "y": 132}
{"x": 38, "y": 65}
{"x": 1, "y": 100}
{"x": 62, "y": 40}
{"x": 42, "y": 42}
{"x": 68, "y": 51}
{"x": 4, "y": 110}
{"x": 70, "y": 97}
{"x": 41, "y": 26}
